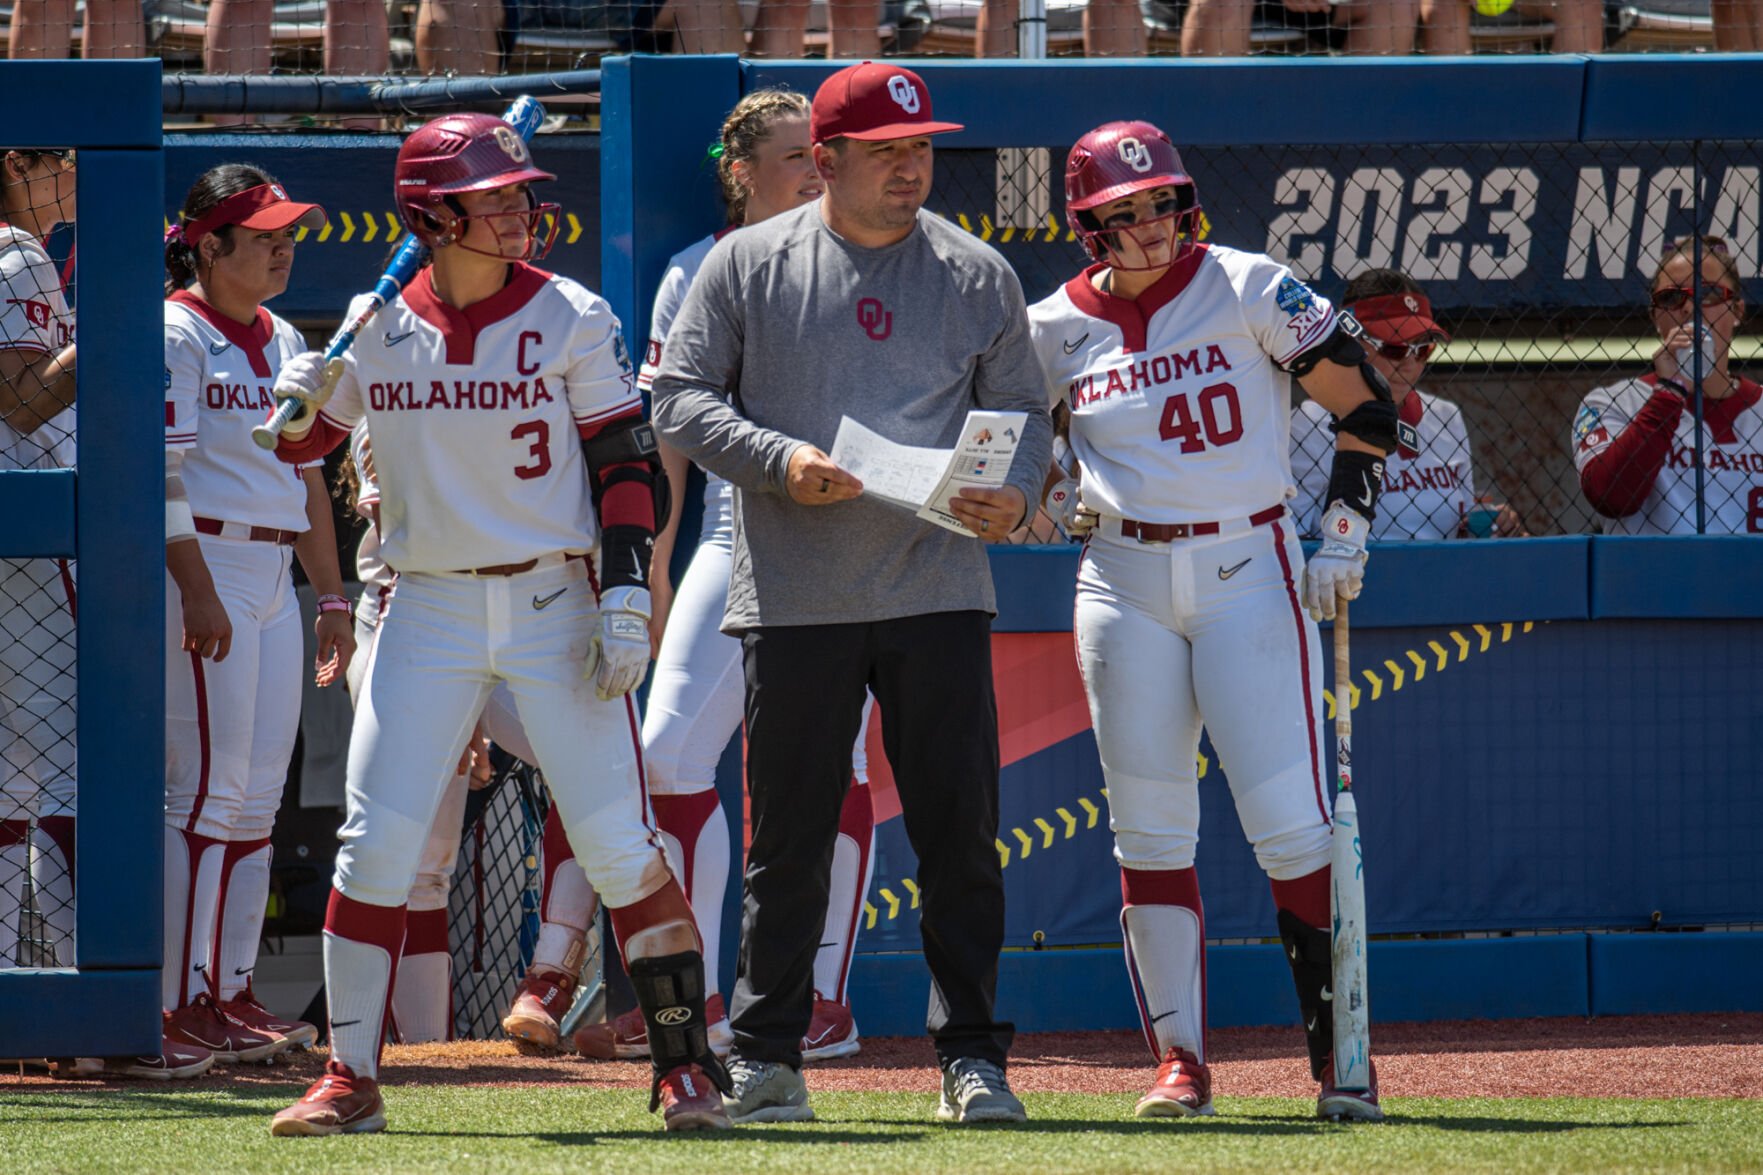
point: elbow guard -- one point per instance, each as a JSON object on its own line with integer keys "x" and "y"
{"x": 1343, "y": 347}
{"x": 1376, "y": 422}
{"x": 624, "y": 453}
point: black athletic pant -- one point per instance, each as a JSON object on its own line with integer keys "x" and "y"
{"x": 932, "y": 679}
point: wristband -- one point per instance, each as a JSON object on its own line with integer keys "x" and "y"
{"x": 331, "y": 603}
{"x": 1356, "y": 479}
{"x": 1676, "y": 387}
{"x": 180, "y": 520}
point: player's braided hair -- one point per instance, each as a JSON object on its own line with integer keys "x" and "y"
{"x": 1715, "y": 247}
{"x": 748, "y": 125}
{"x": 211, "y": 187}
{"x": 1378, "y": 283}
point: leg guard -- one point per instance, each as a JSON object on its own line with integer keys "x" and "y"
{"x": 670, "y": 990}
{"x": 1310, "y": 954}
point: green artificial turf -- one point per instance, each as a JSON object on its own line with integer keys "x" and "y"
{"x": 530, "y": 1131}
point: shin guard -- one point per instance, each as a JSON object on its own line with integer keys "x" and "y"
{"x": 670, "y": 991}
{"x": 1311, "y": 956}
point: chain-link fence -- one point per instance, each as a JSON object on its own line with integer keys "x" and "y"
{"x": 1535, "y": 307}
{"x": 37, "y": 596}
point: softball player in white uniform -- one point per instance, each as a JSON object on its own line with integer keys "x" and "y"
{"x": 697, "y": 693}
{"x": 509, "y": 447}
{"x": 1634, "y": 442}
{"x": 1175, "y": 361}
{"x": 232, "y": 620}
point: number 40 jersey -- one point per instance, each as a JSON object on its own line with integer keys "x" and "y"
{"x": 474, "y": 416}
{"x": 1180, "y": 401}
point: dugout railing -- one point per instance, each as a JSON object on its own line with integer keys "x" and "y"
{"x": 1563, "y": 731}
{"x": 107, "y": 514}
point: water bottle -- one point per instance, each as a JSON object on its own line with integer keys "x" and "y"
{"x": 1686, "y": 359}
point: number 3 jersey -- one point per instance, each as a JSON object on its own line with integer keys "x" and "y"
{"x": 475, "y": 416}
{"x": 1180, "y": 402}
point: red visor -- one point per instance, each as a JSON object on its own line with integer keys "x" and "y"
{"x": 265, "y": 207}
{"x": 1398, "y": 318}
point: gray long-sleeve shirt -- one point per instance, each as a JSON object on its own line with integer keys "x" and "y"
{"x": 789, "y": 327}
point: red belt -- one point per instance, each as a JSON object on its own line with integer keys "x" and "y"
{"x": 239, "y": 530}
{"x": 501, "y": 568}
{"x": 1163, "y": 532}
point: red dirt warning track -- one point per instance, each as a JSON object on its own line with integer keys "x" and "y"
{"x": 1624, "y": 1056}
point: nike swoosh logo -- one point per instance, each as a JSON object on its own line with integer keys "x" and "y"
{"x": 1165, "y": 1015}
{"x": 222, "y": 349}
{"x": 184, "y": 1057}
{"x": 814, "y": 1040}
{"x": 1227, "y": 572}
{"x": 539, "y": 604}
{"x": 214, "y": 1046}
{"x": 243, "y": 970}
{"x": 393, "y": 340}
{"x": 1367, "y": 499}
{"x": 1071, "y": 348}
{"x": 343, "y": 1023}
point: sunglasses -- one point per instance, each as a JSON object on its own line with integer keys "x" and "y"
{"x": 1160, "y": 209}
{"x": 1677, "y": 297}
{"x": 1396, "y": 352}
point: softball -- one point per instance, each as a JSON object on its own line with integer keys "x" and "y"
{"x": 1492, "y": 7}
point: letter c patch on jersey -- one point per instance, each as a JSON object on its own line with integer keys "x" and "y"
{"x": 522, "y": 364}
{"x": 876, "y": 320}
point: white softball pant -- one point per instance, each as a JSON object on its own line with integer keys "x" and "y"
{"x": 443, "y": 644}
{"x": 230, "y": 725}
{"x": 1205, "y": 631}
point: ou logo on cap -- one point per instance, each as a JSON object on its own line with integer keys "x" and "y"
{"x": 276, "y": 191}
{"x": 1410, "y": 303}
{"x": 904, "y": 93}
{"x": 511, "y": 144}
{"x": 1134, "y": 154}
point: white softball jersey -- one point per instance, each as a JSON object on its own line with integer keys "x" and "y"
{"x": 34, "y": 317}
{"x": 1425, "y": 496}
{"x": 1732, "y": 448}
{"x": 1180, "y": 404}
{"x": 474, "y": 415}
{"x": 682, "y": 269}
{"x": 219, "y": 381}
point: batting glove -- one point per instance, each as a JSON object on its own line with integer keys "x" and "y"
{"x": 307, "y": 378}
{"x": 1063, "y": 507}
{"x": 619, "y": 656}
{"x": 1338, "y": 569}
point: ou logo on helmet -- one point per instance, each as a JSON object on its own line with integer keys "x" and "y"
{"x": 904, "y": 93}
{"x": 1135, "y": 155}
{"x": 512, "y": 145}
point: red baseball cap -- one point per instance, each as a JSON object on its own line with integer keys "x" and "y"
{"x": 873, "y": 102}
{"x": 1399, "y": 318}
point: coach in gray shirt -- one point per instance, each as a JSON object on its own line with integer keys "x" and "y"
{"x": 860, "y": 305}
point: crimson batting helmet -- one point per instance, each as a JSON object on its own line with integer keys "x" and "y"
{"x": 466, "y": 153}
{"x": 1120, "y": 158}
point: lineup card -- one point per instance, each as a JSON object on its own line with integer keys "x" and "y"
{"x": 923, "y": 479}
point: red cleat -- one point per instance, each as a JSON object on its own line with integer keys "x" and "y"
{"x": 540, "y": 1005}
{"x": 338, "y": 1103}
{"x": 202, "y": 1023}
{"x": 1183, "y": 1088}
{"x": 245, "y": 1009}
{"x": 690, "y": 1102}
{"x": 831, "y": 1033}
{"x": 1348, "y": 1105}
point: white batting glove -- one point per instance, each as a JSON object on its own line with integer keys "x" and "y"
{"x": 1063, "y": 507}
{"x": 1337, "y": 571}
{"x": 619, "y": 656}
{"x": 307, "y": 378}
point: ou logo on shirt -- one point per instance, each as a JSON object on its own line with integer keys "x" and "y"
{"x": 876, "y": 320}
{"x": 904, "y": 93}
{"x": 1135, "y": 155}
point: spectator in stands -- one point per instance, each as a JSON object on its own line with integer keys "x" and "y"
{"x": 1635, "y": 441}
{"x": 44, "y": 28}
{"x": 356, "y": 40}
{"x": 1738, "y": 26}
{"x": 1112, "y": 28}
{"x": 237, "y": 40}
{"x": 781, "y": 28}
{"x": 1220, "y": 28}
{"x": 459, "y": 36}
{"x": 1579, "y": 24}
{"x": 1429, "y": 482}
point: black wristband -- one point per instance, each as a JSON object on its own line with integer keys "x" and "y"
{"x": 624, "y": 557}
{"x": 1355, "y": 479}
{"x": 1676, "y": 387}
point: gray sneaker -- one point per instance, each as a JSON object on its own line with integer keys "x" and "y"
{"x": 766, "y": 1091}
{"x": 976, "y": 1091}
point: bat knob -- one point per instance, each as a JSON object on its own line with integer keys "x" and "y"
{"x": 264, "y": 436}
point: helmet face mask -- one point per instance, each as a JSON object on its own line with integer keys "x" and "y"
{"x": 1120, "y": 159}
{"x": 1174, "y": 223}
{"x": 460, "y": 153}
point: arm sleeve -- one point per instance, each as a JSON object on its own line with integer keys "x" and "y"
{"x": 1009, "y": 378}
{"x": 1620, "y": 459}
{"x": 696, "y": 387}
{"x": 1286, "y": 316}
{"x": 183, "y": 385}
{"x": 1312, "y": 458}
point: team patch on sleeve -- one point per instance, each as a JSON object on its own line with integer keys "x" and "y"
{"x": 1585, "y": 421}
{"x": 1293, "y": 296}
